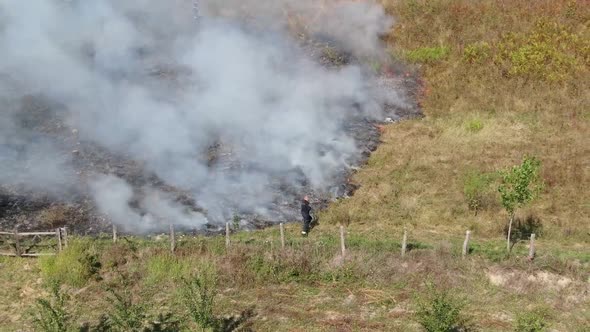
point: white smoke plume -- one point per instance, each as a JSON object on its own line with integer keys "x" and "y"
{"x": 250, "y": 87}
{"x": 113, "y": 196}
{"x": 356, "y": 25}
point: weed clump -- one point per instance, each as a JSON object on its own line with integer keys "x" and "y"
{"x": 477, "y": 52}
{"x": 532, "y": 321}
{"x": 474, "y": 125}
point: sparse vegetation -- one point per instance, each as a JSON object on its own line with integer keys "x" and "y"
{"x": 477, "y": 190}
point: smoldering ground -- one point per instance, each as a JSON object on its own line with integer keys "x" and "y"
{"x": 223, "y": 105}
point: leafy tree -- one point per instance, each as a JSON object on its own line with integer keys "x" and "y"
{"x": 520, "y": 185}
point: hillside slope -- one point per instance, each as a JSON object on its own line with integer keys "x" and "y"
{"x": 504, "y": 79}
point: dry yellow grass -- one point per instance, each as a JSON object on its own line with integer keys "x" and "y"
{"x": 480, "y": 117}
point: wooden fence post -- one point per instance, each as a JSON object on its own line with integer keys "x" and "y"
{"x": 16, "y": 242}
{"x": 404, "y": 242}
{"x": 58, "y": 235}
{"x": 227, "y": 235}
{"x": 114, "y": 233}
{"x": 466, "y": 243}
{"x": 532, "y": 247}
{"x": 282, "y": 227}
{"x": 65, "y": 236}
{"x": 342, "y": 244}
{"x": 172, "y": 238}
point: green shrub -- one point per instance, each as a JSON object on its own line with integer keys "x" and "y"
{"x": 126, "y": 315}
{"x": 51, "y": 315}
{"x": 198, "y": 296}
{"x": 532, "y": 321}
{"x": 73, "y": 266}
{"x": 439, "y": 312}
{"x": 129, "y": 314}
{"x": 477, "y": 189}
{"x": 477, "y": 52}
{"x": 428, "y": 54}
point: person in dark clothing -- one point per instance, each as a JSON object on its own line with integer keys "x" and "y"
{"x": 306, "y": 214}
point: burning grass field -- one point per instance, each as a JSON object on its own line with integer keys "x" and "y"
{"x": 503, "y": 79}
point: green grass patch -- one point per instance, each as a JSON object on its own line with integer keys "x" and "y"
{"x": 478, "y": 190}
{"x": 474, "y": 125}
{"x": 74, "y": 266}
{"x": 165, "y": 267}
{"x": 428, "y": 54}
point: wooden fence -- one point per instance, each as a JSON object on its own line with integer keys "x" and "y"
{"x": 19, "y": 247}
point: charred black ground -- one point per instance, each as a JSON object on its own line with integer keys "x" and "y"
{"x": 75, "y": 209}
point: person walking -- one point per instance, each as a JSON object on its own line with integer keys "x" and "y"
{"x": 306, "y": 214}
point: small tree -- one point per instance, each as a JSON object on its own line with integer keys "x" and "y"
{"x": 520, "y": 185}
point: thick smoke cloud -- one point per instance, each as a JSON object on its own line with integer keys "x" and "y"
{"x": 356, "y": 25}
{"x": 246, "y": 87}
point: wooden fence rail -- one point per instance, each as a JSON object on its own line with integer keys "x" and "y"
{"x": 61, "y": 235}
